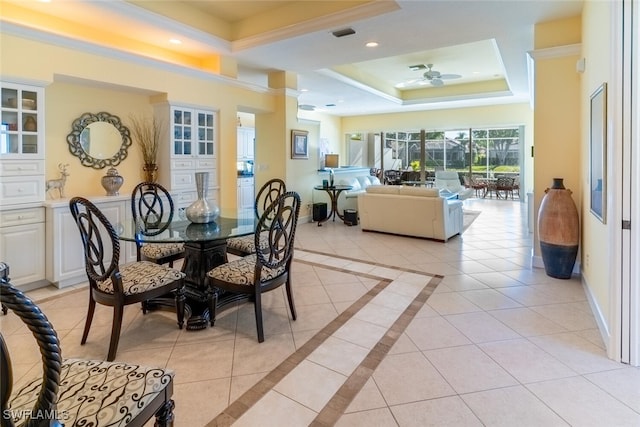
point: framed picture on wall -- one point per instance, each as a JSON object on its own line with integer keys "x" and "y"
{"x": 299, "y": 144}
{"x": 598, "y": 153}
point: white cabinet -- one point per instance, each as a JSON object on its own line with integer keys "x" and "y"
{"x": 191, "y": 133}
{"x": 246, "y": 143}
{"x": 22, "y": 181}
{"x": 65, "y": 255}
{"x": 22, "y": 244}
{"x": 246, "y": 197}
{"x": 21, "y": 144}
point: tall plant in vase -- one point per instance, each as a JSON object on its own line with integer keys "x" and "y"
{"x": 147, "y": 132}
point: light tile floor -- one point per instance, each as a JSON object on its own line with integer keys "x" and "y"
{"x": 391, "y": 331}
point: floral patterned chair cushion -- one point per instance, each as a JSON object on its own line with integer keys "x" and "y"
{"x": 96, "y": 393}
{"x": 161, "y": 250}
{"x": 241, "y": 271}
{"x": 142, "y": 276}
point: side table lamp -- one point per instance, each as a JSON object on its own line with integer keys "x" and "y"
{"x": 331, "y": 161}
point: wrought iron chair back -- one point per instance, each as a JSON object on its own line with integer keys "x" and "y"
{"x": 153, "y": 210}
{"x": 115, "y": 285}
{"x": 269, "y": 267}
{"x": 268, "y": 194}
{"x": 279, "y": 222}
{"x": 101, "y": 256}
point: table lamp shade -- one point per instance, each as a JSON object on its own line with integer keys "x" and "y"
{"x": 331, "y": 160}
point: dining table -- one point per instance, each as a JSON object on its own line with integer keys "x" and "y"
{"x": 205, "y": 247}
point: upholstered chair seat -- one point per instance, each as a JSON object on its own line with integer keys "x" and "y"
{"x": 156, "y": 251}
{"x": 75, "y": 392}
{"x": 142, "y": 276}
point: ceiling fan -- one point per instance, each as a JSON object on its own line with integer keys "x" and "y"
{"x": 432, "y": 76}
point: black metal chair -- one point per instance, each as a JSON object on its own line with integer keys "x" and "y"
{"x": 114, "y": 285}
{"x": 76, "y": 392}
{"x": 268, "y": 268}
{"x": 269, "y": 193}
{"x": 153, "y": 209}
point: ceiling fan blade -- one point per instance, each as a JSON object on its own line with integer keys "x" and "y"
{"x": 450, "y": 76}
{"x": 437, "y": 82}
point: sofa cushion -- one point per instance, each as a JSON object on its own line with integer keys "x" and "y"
{"x": 353, "y": 182}
{"x": 374, "y": 180}
{"x": 383, "y": 189}
{"x": 364, "y": 181}
{"x": 419, "y": 191}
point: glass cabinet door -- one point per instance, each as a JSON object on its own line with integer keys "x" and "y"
{"x": 19, "y": 120}
{"x": 205, "y": 134}
{"x": 182, "y": 128}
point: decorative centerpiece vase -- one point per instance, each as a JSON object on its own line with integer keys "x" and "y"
{"x": 202, "y": 211}
{"x": 150, "y": 172}
{"x": 558, "y": 231}
{"x": 112, "y": 182}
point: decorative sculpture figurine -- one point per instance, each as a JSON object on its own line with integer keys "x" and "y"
{"x": 59, "y": 183}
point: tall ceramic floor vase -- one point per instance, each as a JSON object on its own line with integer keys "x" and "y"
{"x": 202, "y": 211}
{"x": 558, "y": 231}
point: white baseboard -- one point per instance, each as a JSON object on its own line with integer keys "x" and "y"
{"x": 601, "y": 321}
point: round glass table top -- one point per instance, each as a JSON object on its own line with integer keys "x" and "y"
{"x": 181, "y": 230}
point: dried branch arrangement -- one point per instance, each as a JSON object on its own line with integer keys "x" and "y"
{"x": 147, "y": 132}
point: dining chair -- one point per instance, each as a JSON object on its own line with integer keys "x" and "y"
{"x": 114, "y": 285}
{"x": 268, "y": 268}
{"x": 152, "y": 209}
{"x": 268, "y": 193}
{"x": 76, "y": 392}
{"x": 504, "y": 184}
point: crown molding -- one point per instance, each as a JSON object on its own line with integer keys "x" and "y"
{"x": 332, "y": 20}
{"x": 556, "y": 52}
{"x": 112, "y": 53}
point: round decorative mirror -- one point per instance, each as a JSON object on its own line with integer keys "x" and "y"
{"x": 99, "y": 140}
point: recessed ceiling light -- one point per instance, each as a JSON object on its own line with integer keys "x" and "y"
{"x": 304, "y": 90}
{"x": 476, "y": 72}
{"x": 175, "y": 41}
{"x": 372, "y": 44}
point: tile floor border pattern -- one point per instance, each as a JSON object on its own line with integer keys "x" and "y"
{"x": 339, "y": 403}
{"x": 336, "y": 406}
{"x": 377, "y": 264}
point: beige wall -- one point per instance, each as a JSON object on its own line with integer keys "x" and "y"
{"x": 596, "y": 48}
{"x": 557, "y": 113}
{"x": 77, "y": 82}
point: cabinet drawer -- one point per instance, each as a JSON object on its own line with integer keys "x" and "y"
{"x": 21, "y": 167}
{"x": 183, "y": 164}
{"x": 16, "y": 189}
{"x": 183, "y": 179}
{"x": 207, "y": 164}
{"x": 21, "y": 217}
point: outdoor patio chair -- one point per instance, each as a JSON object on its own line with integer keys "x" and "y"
{"x": 504, "y": 184}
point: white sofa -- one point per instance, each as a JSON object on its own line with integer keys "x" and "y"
{"x": 359, "y": 184}
{"x": 448, "y": 182}
{"x": 409, "y": 211}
